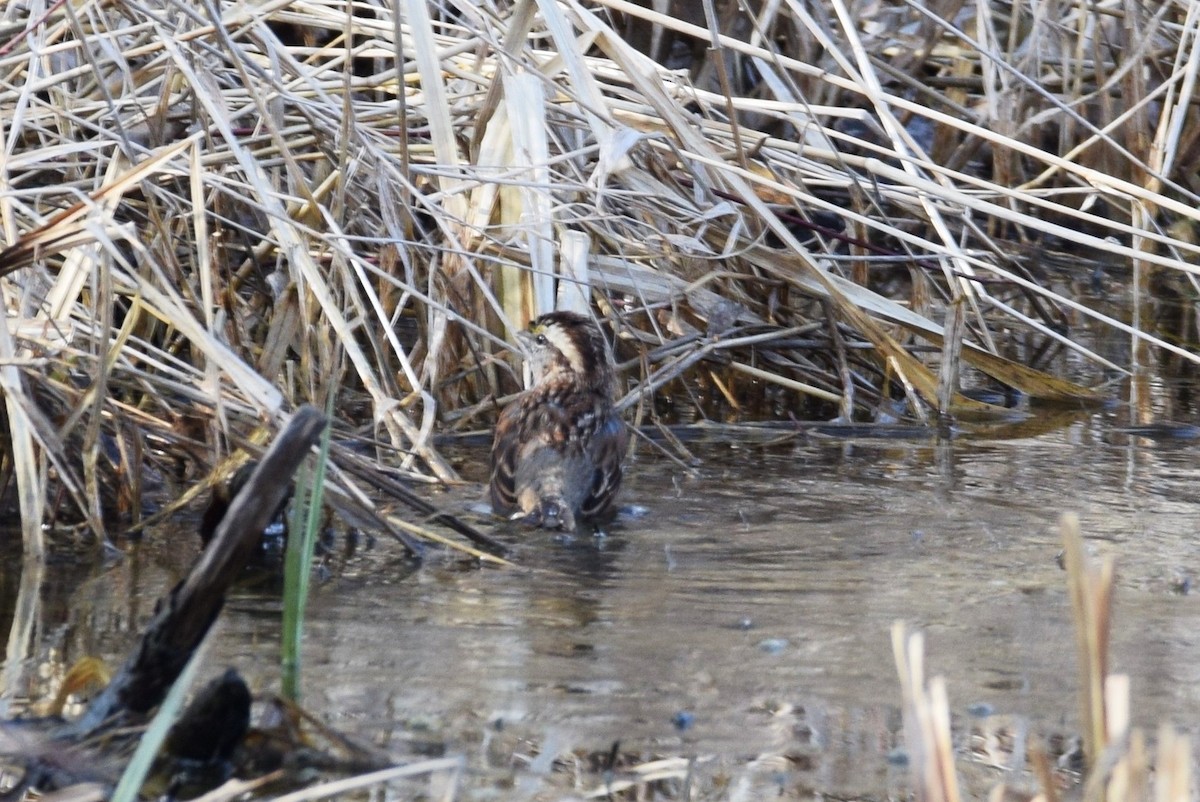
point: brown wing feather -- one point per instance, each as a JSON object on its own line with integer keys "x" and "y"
{"x": 505, "y": 447}
{"x": 534, "y": 420}
{"x": 608, "y": 446}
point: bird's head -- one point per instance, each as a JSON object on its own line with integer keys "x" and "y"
{"x": 567, "y": 345}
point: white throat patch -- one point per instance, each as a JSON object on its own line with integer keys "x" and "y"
{"x": 559, "y": 339}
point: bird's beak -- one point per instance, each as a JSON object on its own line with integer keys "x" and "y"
{"x": 525, "y": 344}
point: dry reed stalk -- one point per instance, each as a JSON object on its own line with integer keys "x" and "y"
{"x": 926, "y": 721}
{"x": 1117, "y": 758}
{"x": 1090, "y": 589}
{"x": 1173, "y": 767}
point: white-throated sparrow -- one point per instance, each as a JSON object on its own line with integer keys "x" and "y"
{"x": 557, "y": 452}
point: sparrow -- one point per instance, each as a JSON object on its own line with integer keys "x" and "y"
{"x": 556, "y": 456}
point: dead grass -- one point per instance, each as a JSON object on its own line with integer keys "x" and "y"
{"x": 213, "y": 212}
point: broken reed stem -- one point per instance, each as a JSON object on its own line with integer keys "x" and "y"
{"x": 1173, "y": 768}
{"x": 1090, "y": 590}
{"x": 1118, "y": 763}
{"x": 956, "y": 322}
{"x": 1042, "y": 770}
{"x": 926, "y": 721}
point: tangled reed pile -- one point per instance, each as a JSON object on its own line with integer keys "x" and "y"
{"x": 213, "y": 211}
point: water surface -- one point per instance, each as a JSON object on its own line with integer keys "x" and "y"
{"x": 744, "y": 614}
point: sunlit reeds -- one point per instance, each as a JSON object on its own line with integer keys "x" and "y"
{"x": 212, "y": 212}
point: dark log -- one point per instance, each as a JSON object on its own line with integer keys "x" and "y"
{"x": 215, "y": 722}
{"x": 184, "y": 616}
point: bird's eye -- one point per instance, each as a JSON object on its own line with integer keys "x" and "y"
{"x": 540, "y": 339}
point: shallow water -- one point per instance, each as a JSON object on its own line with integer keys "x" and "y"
{"x": 745, "y": 612}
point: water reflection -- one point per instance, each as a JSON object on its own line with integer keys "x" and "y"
{"x": 746, "y": 615}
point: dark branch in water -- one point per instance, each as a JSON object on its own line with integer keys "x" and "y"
{"x": 374, "y": 477}
{"x": 184, "y": 617}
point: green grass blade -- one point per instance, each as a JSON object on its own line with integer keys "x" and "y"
{"x": 304, "y": 522}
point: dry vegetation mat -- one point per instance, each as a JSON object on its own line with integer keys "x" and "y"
{"x": 212, "y": 212}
